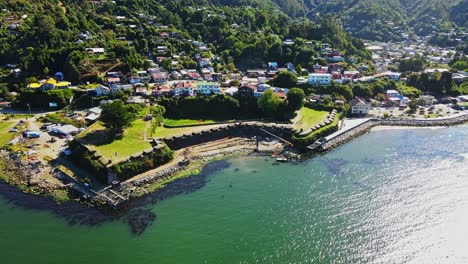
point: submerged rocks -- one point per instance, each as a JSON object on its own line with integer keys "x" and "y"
{"x": 74, "y": 213}
{"x": 139, "y": 220}
{"x": 335, "y": 165}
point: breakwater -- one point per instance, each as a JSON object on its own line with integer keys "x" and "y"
{"x": 366, "y": 126}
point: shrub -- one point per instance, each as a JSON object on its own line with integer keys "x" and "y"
{"x": 130, "y": 168}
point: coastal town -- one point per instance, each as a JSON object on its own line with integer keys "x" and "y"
{"x": 233, "y": 131}
{"x": 104, "y": 126}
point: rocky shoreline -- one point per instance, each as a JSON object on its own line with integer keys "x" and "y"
{"x": 143, "y": 186}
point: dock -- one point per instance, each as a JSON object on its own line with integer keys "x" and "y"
{"x": 112, "y": 195}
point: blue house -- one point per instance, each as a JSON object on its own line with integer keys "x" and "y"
{"x": 59, "y": 77}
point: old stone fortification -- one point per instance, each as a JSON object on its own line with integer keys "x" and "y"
{"x": 366, "y": 126}
{"x": 232, "y": 130}
{"x": 95, "y": 162}
{"x": 243, "y": 129}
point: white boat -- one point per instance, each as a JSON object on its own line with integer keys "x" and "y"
{"x": 281, "y": 159}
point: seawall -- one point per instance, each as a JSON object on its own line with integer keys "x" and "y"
{"x": 366, "y": 126}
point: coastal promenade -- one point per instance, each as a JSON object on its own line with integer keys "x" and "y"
{"x": 347, "y": 125}
{"x": 352, "y": 128}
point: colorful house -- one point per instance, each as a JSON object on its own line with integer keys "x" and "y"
{"x": 208, "y": 88}
{"x": 49, "y": 84}
{"x": 320, "y": 78}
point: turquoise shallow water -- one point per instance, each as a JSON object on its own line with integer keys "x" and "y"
{"x": 392, "y": 196}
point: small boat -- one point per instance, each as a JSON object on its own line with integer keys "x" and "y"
{"x": 273, "y": 155}
{"x": 281, "y": 159}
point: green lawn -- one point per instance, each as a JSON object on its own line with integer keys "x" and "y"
{"x": 91, "y": 86}
{"x": 185, "y": 122}
{"x": 163, "y": 132}
{"x": 6, "y": 125}
{"x": 308, "y": 118}
{"x": 6, "y": 136}
{"x": 132, "y": 141}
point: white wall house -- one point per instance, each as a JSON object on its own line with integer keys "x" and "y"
{"x": 208, "y": 88}
{"x": 320, "y": 78}
{"x": 359, "y": 107}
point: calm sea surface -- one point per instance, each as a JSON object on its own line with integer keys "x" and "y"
{"x": 391, "y": 196}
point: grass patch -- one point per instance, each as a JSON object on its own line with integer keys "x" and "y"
{"x": 321, "y": 132}
{"x": 308, "y": 118}
{"x": 186, "y": 122}
{"x": 164, "y": 132}
{"x": 60, "y": 196}
{"x": 6, "y": 136}
{"x": 131, "y": 142}
{"x": 91, "y": 86}
{"x": 7, "y": 123}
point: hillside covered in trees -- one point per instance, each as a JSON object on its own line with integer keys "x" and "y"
{"x": 46, "y": 36}
{"x": 377, "y": 20}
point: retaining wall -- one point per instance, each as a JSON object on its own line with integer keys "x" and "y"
{"x": 233, "y": 130}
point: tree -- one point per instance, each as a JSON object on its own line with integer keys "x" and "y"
{"x": 446, "y": 82}
{"x": 413, "y": 106}
{"x": 116, "y": 116}
{"x": 234, "y": 83}
{"x": 166, "y": 64}
{"x": 285, "y": 79}
{"x": 413, "y": 64}
{"x": 269, "y": 103}
{"x": 298, "y": 69}
{"x": 295, "y": 98}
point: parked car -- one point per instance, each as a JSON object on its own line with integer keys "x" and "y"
{"x": 31, "y": 134}
{"x": 14, "y": 130}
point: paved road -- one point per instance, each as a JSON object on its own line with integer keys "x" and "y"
{"x": 25, "y": 112}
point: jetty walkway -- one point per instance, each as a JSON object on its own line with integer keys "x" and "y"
{"x": 351, "y": 128}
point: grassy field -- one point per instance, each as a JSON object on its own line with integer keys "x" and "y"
{"x": 307, "y": 118}
{"x": 132, "y": 141}
{"x": 185, "y": 122}
{"x": 6, "y": 136}
{"x": 162, "y": 132}
{"x": 6, "y": 125}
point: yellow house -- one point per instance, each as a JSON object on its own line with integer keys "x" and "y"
{"x": 49, "y": 84}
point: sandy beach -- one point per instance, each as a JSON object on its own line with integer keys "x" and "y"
{"x": 381, "y": 128}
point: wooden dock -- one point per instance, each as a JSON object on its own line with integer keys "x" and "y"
{"x": 112, "y": 195}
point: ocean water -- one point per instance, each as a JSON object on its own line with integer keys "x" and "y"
{"x": 390, "y": 196}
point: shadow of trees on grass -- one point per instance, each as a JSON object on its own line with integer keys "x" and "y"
{"x": 101, "y": 137}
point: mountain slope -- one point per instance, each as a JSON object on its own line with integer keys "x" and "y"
{"x": 389, "y": 19}
{"x": 374, "y": 19}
